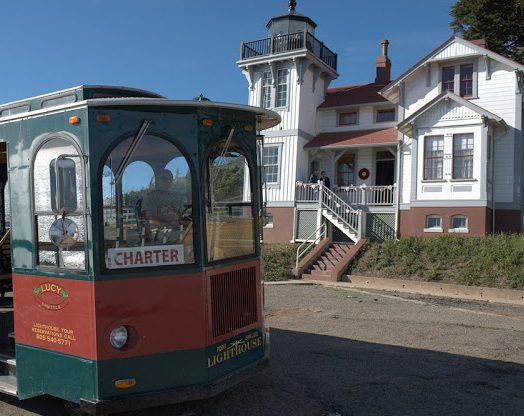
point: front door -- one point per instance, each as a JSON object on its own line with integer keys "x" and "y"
{"x": 385, "y": 169}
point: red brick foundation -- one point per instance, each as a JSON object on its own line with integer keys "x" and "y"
{"x": 412, "y": 222}
{"x": 282, "y": 231}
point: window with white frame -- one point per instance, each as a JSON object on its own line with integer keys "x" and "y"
{"x": 463, "y": 156}
{"x": 282, "y": 88}
{"x": 267, "y": 89}
{"x": 269, "y": 221}
{"x": 459, "y": 223}
{"x": 348, "y": 118}
{"x": 433, "y": 223}
{"x": 460, "y": 79}
{"x": 433, "y": 157}
{"x": 271, "y": 162}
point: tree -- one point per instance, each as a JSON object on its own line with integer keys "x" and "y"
{"x": 499, "y": 22}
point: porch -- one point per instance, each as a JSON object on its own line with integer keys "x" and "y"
{"x": 351, "y": 212}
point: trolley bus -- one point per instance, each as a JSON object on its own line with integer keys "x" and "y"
{"x": 130, "y": 235}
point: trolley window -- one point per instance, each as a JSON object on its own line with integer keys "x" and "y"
{"x": 59, "y": 209}
{"x": 229, "y": 212}
{"x": 147, "y": 201}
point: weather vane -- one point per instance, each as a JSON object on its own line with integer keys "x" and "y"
{"x": 292, "y": 4}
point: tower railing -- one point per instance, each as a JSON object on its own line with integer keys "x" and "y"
{"x": 287, "y": 43}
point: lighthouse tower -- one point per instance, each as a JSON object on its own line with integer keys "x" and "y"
{"x": 289, "y": 72}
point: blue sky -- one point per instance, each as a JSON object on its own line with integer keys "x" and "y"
{"x": 183, "y": 48}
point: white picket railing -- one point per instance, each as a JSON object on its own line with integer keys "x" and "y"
{"x": 352, "y": 195}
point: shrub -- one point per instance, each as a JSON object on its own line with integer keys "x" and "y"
{"x": 494, "y": 261}
{"x": 278, "y": 261}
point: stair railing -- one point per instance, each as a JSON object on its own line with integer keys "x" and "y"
{"x": 342, "y": 211}
{"x": 320, "y": 232}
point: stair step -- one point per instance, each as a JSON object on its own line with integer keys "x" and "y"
{"x": 319, "y": 273}
{"x": 325, "y": 264}
{"x": 332, "y": 257}
{"x": 324, "y": 278}
{"x": 7, "y": 365}
{"x": 8, "y": 385}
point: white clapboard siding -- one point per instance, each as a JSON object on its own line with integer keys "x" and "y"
{"x": 417, "y": 93}
{"x": 285, "y": 191}
{"x": 497, "y": 95}
{"x": 309, "y": 99}
{"x": 405, "y": 179}
{"x": 328, "y": 119}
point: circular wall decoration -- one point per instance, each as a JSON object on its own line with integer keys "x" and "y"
{"x": 363, "y": 173}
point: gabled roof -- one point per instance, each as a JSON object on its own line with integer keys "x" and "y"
{"x": 352, "y": 95}
{"x": 354, "y": 138}
{"x": 406, "y": 125}
{"x": 433, "y": 55}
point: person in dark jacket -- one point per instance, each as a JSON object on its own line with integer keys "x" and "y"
{"x": 325, "y": 179}
{"x": 313, "y": 178}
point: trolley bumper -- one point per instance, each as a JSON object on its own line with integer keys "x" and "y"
{"x": 179, "y": 395}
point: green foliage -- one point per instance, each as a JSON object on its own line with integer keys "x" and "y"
{"x": 499, "y": 22}
{"x": 279, "y": 260}
{"x": 493, "y": 261}
{"x": 228, "y": 178}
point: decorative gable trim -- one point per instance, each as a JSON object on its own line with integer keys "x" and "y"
{"x": 445, "y": 107}
{"x": 454, "y": 50}
{"x": 454, "y": 47}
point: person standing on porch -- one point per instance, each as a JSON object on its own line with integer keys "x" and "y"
{"x": 313, "y": 178}
{"x": 325, "y": 180}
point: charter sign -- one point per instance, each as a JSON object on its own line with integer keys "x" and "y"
{"x": 151, "y": 256}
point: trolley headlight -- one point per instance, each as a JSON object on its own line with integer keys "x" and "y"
{"x": 118, "y": 337}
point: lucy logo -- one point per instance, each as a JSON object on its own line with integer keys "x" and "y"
{"x": 51, "y": 296}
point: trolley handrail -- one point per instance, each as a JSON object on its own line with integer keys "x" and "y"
{"x": 321, "y": 233}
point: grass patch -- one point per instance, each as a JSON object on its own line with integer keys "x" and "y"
{"x": 492, "y": 261}
{"x": 279, "y": 260}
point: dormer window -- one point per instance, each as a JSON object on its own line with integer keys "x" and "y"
{"x": 460, "y": 79}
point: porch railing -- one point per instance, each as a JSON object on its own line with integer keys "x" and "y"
{"x": 352, "y": 195}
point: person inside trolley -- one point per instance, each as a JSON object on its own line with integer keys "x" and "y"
{"x": 160, "y": 208}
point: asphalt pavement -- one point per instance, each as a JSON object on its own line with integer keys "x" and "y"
{"x": 349, "y": 352}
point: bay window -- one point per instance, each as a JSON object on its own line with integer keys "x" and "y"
{"x": 463, "y": 156}
{"x": 433, "y": 157}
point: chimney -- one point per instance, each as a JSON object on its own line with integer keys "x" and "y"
{"x": 383, "y": 65}
{"x": 480, "y": 42}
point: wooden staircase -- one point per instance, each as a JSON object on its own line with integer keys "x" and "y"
{"x": 332, "y": 262}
